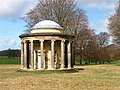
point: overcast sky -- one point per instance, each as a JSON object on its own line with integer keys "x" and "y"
{"x": 11, "y": 26}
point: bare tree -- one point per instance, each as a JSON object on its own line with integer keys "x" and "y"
{"x": 103, "y": 39}
{"x": 114, "y": 24}
{"x": 85, "y": 42}
{"x": 64, "y": 12}
{"x": 115, "y": 55}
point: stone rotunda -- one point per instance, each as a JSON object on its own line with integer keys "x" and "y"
{"x": 46, "y": 47}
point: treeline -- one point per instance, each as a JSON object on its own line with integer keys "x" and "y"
{"x": 92, "y": 48}
{"x": 11, "y": 53}
{"x": 96, "y": 48}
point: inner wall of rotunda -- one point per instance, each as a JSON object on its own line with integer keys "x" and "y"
{"x": 47, "y": 53}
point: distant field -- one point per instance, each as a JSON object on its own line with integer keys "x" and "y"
{"x": 6, "y": 60}
{"x": 94, "y": 77}
{"x": 11, "y": 60}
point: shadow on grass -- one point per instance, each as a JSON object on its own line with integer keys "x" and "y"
{"x": 117, "y": 65}
{"x": 51, "y": 71}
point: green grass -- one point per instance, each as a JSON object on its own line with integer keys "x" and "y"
{"x": 6, "y": 60}
{"x": 91, "y": 77}
{"x": 116, "y": 62}
{"x": 94, "y": 77}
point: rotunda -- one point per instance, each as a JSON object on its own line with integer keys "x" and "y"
{"x": 46, "y": 47}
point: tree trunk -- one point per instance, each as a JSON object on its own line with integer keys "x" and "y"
{"x": 80, "y": 61}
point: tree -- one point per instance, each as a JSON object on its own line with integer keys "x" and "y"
{"x": 115, "y": 55}
{"x": 64, "y": 12}
{"x": 10, "y": 53}
{"x": 101, "y": 53}
{"x": 114, "y": 24}
{"x": 92, "y": 47}
{"x": 85, "y": 42}
{"x": 103, "y": 39}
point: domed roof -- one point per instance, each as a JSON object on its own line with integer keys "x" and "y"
{"x": 47, "y": 24}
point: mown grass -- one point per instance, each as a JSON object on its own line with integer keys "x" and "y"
{"x": 11, "y": 60}
{"x": 113, "y": 62}
{"x": 94, "y": 77}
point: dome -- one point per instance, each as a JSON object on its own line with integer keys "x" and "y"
{"x": 47, "y": 24}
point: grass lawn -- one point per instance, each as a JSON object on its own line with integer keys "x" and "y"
{"x": 11, "y": 60}
{"x": 94, "y": 77}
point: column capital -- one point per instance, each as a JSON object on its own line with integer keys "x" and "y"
{"x": 25, "y": 41}
{"x": 22, "y": 42}
{"x": 41, "y": 40}
{"x": 63, "y": 41}
{"x": 31, "y": 40}
{"x": 53, "y": 40}
{"x": 70, "y": 41}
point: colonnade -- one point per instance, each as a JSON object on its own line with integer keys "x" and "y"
{"x": 24, "y": 53}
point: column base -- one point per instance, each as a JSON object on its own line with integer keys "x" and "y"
{"x": 40, "y": 69}
{"x": 31, "y": 67}
{"x": 24, "y": 68}
{"x": 35, "y": 67}
{"x": 69, "y": 68}
{"x": 62, "y": 68}
{"x": 21, "y": 68}
{"x": 50, "y": 69}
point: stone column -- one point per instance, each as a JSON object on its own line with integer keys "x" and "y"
{"x": 72, "y": 46}
{"x": 32, "y": 54}
{"x": 62, "y": 54}
{"x": 52, "y": 54}
{"x": 22, "y": 54}
{"x": 42, "y": 54}
{"x": 25, "y": 54}
{"x": 69, "y": 55}
{"x": 35, "y": 64}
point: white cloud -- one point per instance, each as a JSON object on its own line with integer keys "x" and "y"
{"x": 98, "y": 4}
{"x": 7, "y": 43}
{"x": 16, "y": 8}
{"x": 10, "y": 8}
{"x": 100, "y": 26}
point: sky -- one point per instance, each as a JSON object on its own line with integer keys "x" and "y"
{"x": 11, "y": 24}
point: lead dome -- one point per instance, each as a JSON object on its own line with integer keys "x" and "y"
{"x": 47, "y": 26}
